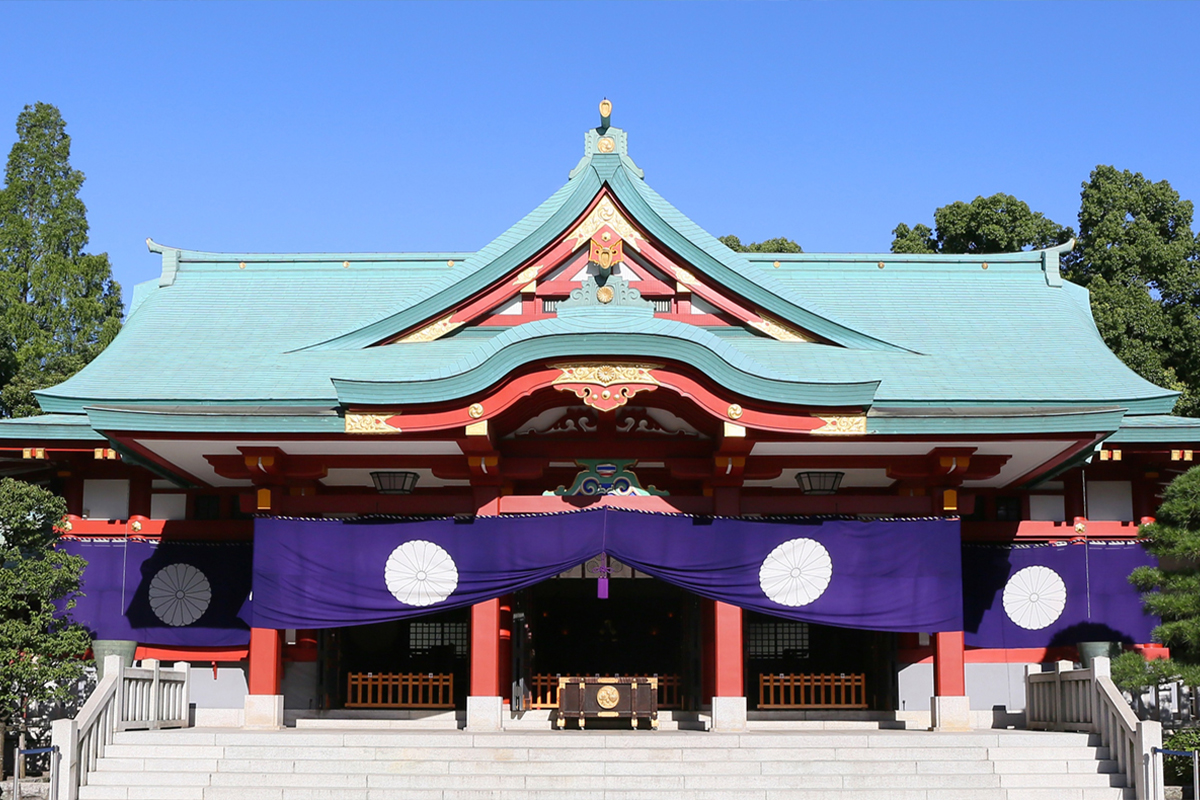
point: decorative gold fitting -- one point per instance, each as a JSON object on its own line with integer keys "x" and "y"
{"x": 605, "y": 108}
{"x": 135, "y": 526}
{"x": 605, "y": 294}
{"x": 450, "y": 263}
{"x": 241, "y": 265}
{"x": 776, "y": 265}
{"x": 606, "y": 144}
{"x": 735, "y": 411}
{"x": 984, "y": 265}
{"x": 478, "y": 428}
{"x": 526, "y": 275}
{"x": 345, "y": 265}
{"x": 475, "y": 411}
{"x": 880, "y": 265}
{"x": 733, "y": 431}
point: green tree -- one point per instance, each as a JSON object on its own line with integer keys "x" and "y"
{"x": 997, "y": 224}
{"x": 1172, "y": 589}
{"x": 41, "y": 649}
{"x": 1137, "y": 254}
{"x": 776, "y": 245}
{"x": 59, "y": 306}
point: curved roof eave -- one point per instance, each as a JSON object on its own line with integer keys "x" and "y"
{"x": 551, "y": 340}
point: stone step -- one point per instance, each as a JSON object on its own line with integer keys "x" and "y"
{"x": 362, "y": 762}
{"x": 611, "y": 738}
{"x": 826, "y": 725}
{"x": 359, "y": 793}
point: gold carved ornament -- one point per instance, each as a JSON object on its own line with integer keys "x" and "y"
{"x": 606, "y": 144}
{"x": 842, "y": 426}
{"x": 605, "y": 386}
{"x": 526, "y": 275}
{"x": 434, "y": 330}
{"x": 605, "y": 213}
{"x": 372, "y": 423}
{"x": 606, "y": 255}
{"x": 685, "y": 277}
{"x": 777, "y": 330}
{"x": 607, "y": 697}
{"x": 475, "y": 411}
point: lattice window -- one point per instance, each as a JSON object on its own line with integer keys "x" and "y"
{"x": 424, "y": 636}
{"x": 777, "y": 639}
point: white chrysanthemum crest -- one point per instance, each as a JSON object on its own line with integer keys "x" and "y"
{"x": 1035, "y": 597}
{"x": 179, "y": 594}
{"x": 420, "y": 573}
{"x": 796, "y": 572}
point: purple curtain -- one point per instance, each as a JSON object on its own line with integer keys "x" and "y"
{"x": 883, "y": 575}
{"x": 1052, "y": 595}
{"x": 182, "y": 594}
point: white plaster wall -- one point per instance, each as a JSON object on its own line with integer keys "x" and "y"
{"x": 1047, "y": 507}
{"x": 168, "y": 506}
{"x": 1110, "y": 500}
{"x": 106, "y": 499}
{"x": 988, "y": 686}
{"x": 227, "y": 690}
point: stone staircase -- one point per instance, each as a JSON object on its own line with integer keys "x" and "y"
{"x": 439, "y": 764}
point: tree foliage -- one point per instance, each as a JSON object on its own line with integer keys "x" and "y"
{"x": 1172, "y": 589}
{"x": 997, "y": 224}
{"x": 41, "y": 649}
{"x": 776, "y": 245}
{"x": 59, "y": 306}
{"x": 1137, "y": 254}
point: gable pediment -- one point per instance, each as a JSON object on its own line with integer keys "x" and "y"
{"x": 606, "y": 241}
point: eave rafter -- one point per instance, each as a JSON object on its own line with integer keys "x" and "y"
{"x": 604, "y": 228}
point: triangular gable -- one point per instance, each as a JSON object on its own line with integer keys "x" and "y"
{"x": 604, "y": 238}
{"x": 607, "y": 188}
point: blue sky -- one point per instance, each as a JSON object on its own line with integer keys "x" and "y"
{"x": 279, "y": 127}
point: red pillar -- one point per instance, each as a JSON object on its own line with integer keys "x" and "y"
{"x": 727, "y": 626}
{"x": 504, "y": 653}
{"x": 266, "y": 660}
{"x": 485, "y": 649}
{"x": 949, "y": 672}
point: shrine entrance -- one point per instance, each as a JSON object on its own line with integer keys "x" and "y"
{"x": 419, "y": 663}
{"x": 565, "y": 627}
{"x": 792, "y": 665}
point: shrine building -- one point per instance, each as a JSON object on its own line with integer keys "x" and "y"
{"x": 606, "y": 445}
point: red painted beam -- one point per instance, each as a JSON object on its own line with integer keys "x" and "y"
{"x": 530, "y": 504}
{"x": 838, "y": 504}
{"x": 1035, "y": 530}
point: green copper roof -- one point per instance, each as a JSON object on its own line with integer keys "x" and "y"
{"x": 603, "y": 332}
{"x": 1157, "y": 428}
{"x": 49, "y": 427}
{"x": 251, "y": 330}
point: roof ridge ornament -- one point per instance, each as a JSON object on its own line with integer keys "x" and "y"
{"x": 605, "y": 140}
